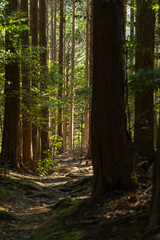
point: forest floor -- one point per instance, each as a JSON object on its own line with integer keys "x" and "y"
{"x": 57, "y": 206}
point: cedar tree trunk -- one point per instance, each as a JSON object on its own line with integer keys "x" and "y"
{"x": 110, "y": 144}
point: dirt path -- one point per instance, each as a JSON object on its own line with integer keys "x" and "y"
{"x": 30, "y": 199}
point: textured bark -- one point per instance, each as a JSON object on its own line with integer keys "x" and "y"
{"x": 27, "y": 125}
{"x": 43, "y": 60}
{"x": 111, "y": 153}
{"x": 155, "y": 204}
{"x": 71, "y": 122}
{"x": 53, "y": 59}
{"x": 154, "y": 219}
{"x": 34, "y": 34}
{"x": 55, "y": 32}
{"x": 89, "y": 154}
{"x": 10, "y": 154}
{"x": 52, "y": 30}
{"x": 86, "y": 118}
{"x": 131, "y": 34}
{"x": 144, "y": 109}
{"x": 64, "y": 85}
{"x": 61, "y": 53}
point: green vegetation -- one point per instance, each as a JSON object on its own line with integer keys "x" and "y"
{"x": 60, "y": 225}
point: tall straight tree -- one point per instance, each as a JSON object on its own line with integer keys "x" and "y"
{"x": 52, "y": 30}
{"x": 89, "y": 154}
{"x": 12, "y": 101}
{"x": 43, "y": 60}
{"x": 53, "y": 59}
{"x": 34, "y": 34}
{"x": 64, "y": 126}
{"x": 55, "y": 32}
{"x": 155, "y": 203}
{"x": 154, "y": 219}
{"x": 144, "y": 109}
{"x": 86, "y": 120}
{"x": 71, "y": 123}
{"x": 61, "y": 58}
{"x": 111, "y": 151}
{"x": 131, "y": 34}
{"x": 27, "y": 125}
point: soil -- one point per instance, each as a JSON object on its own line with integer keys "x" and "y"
{"x": 58, "y": 206}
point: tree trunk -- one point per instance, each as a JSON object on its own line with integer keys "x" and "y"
{"x": 86, "y": 117}
{"x": 144, "y": 107}
{"x": 27, "y": 125}
{"x": 55, "y": 32}
{"x": 64, "y": 91}
{"x": 34, "y": 34}
{"x": 9, "y": 153}
{"x": 89, "y": 154}
{"x": 131, "y": 35}
{"x": 53, "y": 59}
{"x": 71, "y": 122}
{"x": 155, "y": 205}
{"x": 43, "y": 60}
{"x": 52, "y": 30}
{"x": 60, "y": 92}
{"x": 111, "y": 153}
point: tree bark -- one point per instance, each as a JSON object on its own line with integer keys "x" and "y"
{"x": 71, "y": 122}
{"x": 34, "y": 34}
{"x": 155, "y": 204}
{"x": 43, "y": 60}
{"x": 111, "y": 153}
{"x": 53, "y": 59}
{"x": 144, "y": 107}
{"x": 154, "y": 219}
{"x": 86, "y": 117}
{"x": 131, "y": 34}
{"x": 60, "y": 91}
{"x": 10, "y": 154}
{"x": 27, "y": 125}
{"x": 89, "y": 154}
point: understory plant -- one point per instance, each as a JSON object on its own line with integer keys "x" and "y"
{"x": 48, "y": 164}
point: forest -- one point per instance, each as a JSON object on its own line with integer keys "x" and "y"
{"x": 80, "y": 119}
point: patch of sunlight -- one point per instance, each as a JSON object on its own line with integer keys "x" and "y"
{"x": 16, "y": 178}
{"x": 80, "y": 197}
{"x": 21, "y": 176}
{"x": 40, "y": 184}
{"x": 2, "y": 208}
{"x": 33, "y": 210}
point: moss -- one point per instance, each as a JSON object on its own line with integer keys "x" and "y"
{"x": 64, "y": 235}
{"x": 23, "y": 181}
{"x": 60, "y": 226}
{"x": 6, "y": 193}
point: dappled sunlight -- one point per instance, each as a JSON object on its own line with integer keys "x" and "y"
{"x": 33, "y": 198}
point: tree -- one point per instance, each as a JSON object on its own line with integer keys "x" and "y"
{"x": 144, "y": 106}
{"x": 27, "y": 125}
{"x": 154, "y": 219}
{"x": 88, "y": 51}
{"x": 10, "y": 152}
{"x": 131, "y": 34}
{"x": 43, "y": 62}
{"x": 111, "y": 151}
{"x": 89, "y": 154}
{"x": 34, "y": 34}
{"x": 61, "y": 56}
{"x": 71, "y": 123}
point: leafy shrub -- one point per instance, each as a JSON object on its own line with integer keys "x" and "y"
{"x": 47, "y": 164}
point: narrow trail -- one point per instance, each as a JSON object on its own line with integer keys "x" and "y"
{"x": 31, "y": 198}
